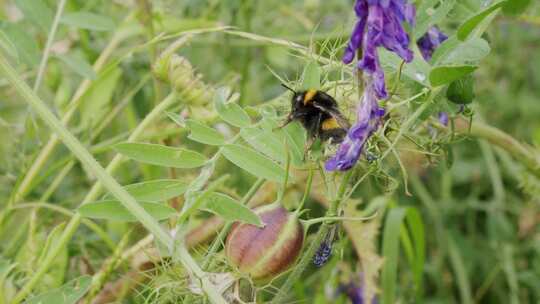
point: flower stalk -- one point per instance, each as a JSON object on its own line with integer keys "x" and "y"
{"x": 307, "y": 257}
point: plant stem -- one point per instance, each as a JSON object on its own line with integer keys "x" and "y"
{"x": 93, "y": 194}
{"x": 91, "y": 225}
{"x": 315, "y": 244}
{"x": 108, "y": 181}
{"x": 407, "y": 124}
{"x": 306, "y": 191}
{"x": 47, "y": 50}
{"x": 26, "y": 184}
{"x": 528, "y": 156}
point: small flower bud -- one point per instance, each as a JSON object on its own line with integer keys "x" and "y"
{"x": 265, "y": 252}
{"x": 180, "y": 74}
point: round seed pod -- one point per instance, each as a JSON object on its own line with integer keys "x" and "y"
{"x": 264, "y": 252}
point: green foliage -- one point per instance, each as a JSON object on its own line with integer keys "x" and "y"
{"x": 442, "y": 75}
{"x": 229, "y": 111}
{"x": 88, "y": 21}
{"x": 161, "y": 155}
{"x": 230, "y": 209}
{"x": 204, "y": 134}
{"x": 114, "y": 211}
{"x": 253, "y": 162}
{"x": 156, "y": 190}
{"x": 461, "y": 91}
{"x": 69, "y": 293}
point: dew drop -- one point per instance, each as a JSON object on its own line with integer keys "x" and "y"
{"x": 420, "y": 76}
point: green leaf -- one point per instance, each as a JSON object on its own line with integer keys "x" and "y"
{"x": 266, "y": 142}
{"x": 455, "y": 52}
{"x": 155, "y": 190}
{"x": 414, "y": 248}
{"x": 516, "y": 7}
{"x": 204, "y": 134}
{"x": 37, "y": 12}
{"x": 26, "y": 45}
{"x": 295, "y": 135}
{"x": 96, "y": 100}
{"x": 445, "y": 74}
{"x": 470, "y": 25}
{"x": 114, "y": 210}
{"x": 416, "y": 229}
{"x": 79, "y": 65}
{"x": 312, "y": 76}
{"x": 6, "y": 266}
{"x": 88, "y": 21}
{"x": 417, "y": 70}
{"x": 194, "y": 198}
{"x": 431, "y": 13}
{"x": 161, "y": 155}
{"x": 460, "y": 271}
{"x": 178, "y": 119}
{"x": 230, "y": 112}
{"x": 461, "y": 91}
{"x": 390, "y": 250}
{"x": 230, "y": 210}
{"x": 253, "y": 162}
{"x": 55, "y": 275}
{"x": 69, "y": 293}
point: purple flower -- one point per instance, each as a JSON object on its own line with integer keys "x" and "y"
{"x": 430, "y": 41}
{"x": 379, "y": 24}
{"x": 355, "y": 291}
{"x": 323, "y": 254}
{"x": 368, "y": 119}
{"x": 443, "y": 118}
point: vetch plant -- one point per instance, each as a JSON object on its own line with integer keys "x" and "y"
{"x": 379, "y": 25}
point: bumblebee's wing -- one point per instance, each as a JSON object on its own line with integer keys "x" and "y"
{"x": 335, "y": 113}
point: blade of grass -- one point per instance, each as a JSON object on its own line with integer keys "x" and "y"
{"x": 460, "y": 272}
{"x": 96, "y": 190}
{"x": 91, "y": 225}
{"x": 390, "y": 249}
{"x": 47, "y": 50}
{"x": 26, "y": 184}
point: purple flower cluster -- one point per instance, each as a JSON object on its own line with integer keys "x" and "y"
{"x": 443, "y": 118}
{"x": 368, "y": 119}
{"x": 430, "y": 41}
{"x": 379, "y": 24}
{"x": 427, "y": 44}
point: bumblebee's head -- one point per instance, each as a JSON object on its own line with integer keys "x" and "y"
{"x": 297, "y": 98}
{"x": 302, "y": 98}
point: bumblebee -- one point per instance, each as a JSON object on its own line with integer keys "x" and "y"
{"x": 319, "y": 114}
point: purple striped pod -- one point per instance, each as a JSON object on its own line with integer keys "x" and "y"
{"x": 265, "y": 252}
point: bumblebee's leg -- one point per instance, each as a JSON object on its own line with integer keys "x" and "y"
{"x": 313, "y": 133}
{"x": 307, "y": 147}
{"x": 287, "y": 121}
